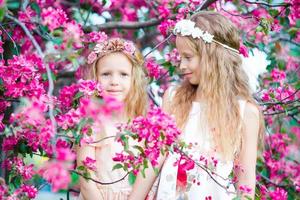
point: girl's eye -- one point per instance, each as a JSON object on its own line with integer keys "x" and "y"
{"x": 105, "y": 74}
{"x": 124, "y": 74}
{"x": 188, "y": 57}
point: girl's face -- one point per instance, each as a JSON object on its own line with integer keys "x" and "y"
{"x": 114, "y": 73}
{"x": 189, "y": 62}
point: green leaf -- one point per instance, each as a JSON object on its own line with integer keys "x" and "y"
{"x": 2, "y": 13}
{"x": 273, "y": 12}
{"x": 45, "y": 76}
{"x": 125, "y": 140}
{"x": 118, "y": 166}
{"x": 138, "y": 148}
{"x": 57, "y": 40}
{"x": 297, "y": 86}
{"x": 78, "y": 95}
{"x": 13, "y": 5}
{"x": 81, "y": 168}
{"x": 298, "y": 23}
{"x": 74, "y": 179}
{"x": 281, "y": 64}
{"x": 87, "y": 175}
{"x": 131, "y": 178}
{"x": 295, "y": 52}
{"x": 36, "y": 8}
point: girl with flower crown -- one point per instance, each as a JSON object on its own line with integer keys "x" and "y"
{"x": 118, "y": 66}
{"x": 220, "y": 121}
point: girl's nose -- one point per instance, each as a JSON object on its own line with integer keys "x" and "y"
{"x": 114, "y": 80}
{"x": 182, "y": 66}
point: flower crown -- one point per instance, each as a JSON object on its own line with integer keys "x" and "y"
{"x": 113, "y": 45}
{"x": 187, "y": 27}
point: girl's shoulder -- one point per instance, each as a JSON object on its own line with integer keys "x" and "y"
{"x": 251, "y": 110}
{"x": 168, "y": 96}
{"x": 247, "y": 108}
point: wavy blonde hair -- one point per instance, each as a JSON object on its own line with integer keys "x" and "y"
{"x": 222, "y": 82}
{"x": 136, "y": 100}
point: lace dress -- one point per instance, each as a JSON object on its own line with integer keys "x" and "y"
{"x": 105, "y": 151}
{"x": 181, "y": 178}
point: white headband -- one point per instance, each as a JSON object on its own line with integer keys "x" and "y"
{"x": 187, "y": 27}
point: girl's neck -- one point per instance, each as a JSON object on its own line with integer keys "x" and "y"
{"x": 119, "y": 118}
{"x": 199, "y": 95}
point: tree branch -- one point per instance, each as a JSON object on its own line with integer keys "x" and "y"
{"x": 99, "y": 182}
{"x": 267, "y": 4}
{"x": 131, "y": 25}
{"x": 48, "y": 70}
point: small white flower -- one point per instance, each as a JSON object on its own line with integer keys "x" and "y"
{"x": 98, "y": 48}
{"x": 184, "y": 27}
{"x": 197, "y": 33}
{"x": 208, "y": 38}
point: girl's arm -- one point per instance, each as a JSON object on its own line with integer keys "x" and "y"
{"x": 246, "y": 159}
{"x": 88, "y": 188}
{"x": 143, "y": 185}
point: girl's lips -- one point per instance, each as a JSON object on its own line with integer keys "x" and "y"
{"x": 187, "y": 75}
{"x": 114, "y": 92}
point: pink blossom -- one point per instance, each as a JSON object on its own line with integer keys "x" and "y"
{"x": 53, "y": 18}
{"x": 69, "y": 119}
{"x": 278, "y": 194}
{"x": 1, "y": 49}
{"x": 245, "y": 189}
{"x": 65, "y": 154}
{"x": 29, "y": 190}
{"x": 22, "y": 76}
{"x": 60, "y": 143}
{"x": 9, "y": 143}
{"x": 3, "y": 191}
{"x": 2, "y": 3}
{"x": 73, "y": 33}
{"x": 56, "y": 174}
{"x": 2, "y": 126}
{"x": 128, "y": 14}
{"x": 163, "y": 11}
{"x": 154, "y": 70}
{"x": 66, "y": 95}
{"x": 277, "y": 75}
{"x": 96, "y": 37}
{"x": 90, "y": 87}
{"x": 26, "y": 17}
{"x": 90, "y": 163}
{"x": 173, "y": 57}
{"x": 165, "y": 26}
{"x": 148, "y": 130}
{"x": 243, "y": 50}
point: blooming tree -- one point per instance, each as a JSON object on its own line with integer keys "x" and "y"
{"x": 44, "y": 44}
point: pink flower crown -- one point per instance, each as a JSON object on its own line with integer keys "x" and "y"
{"x": 113, "y": 45}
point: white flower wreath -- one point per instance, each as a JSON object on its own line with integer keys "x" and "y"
{"x": 187, "y": 27}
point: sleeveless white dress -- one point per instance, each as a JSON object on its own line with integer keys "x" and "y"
{"x": 182, "y": 179}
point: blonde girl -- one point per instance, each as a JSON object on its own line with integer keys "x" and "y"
{"x": 216, "y": 112}
{"x": 118, "y": 66}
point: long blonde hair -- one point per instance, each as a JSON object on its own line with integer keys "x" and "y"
{"x": 136, "y": 100}
{"x": 222, "y": 82}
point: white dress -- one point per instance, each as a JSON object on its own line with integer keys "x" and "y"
{"x": 183, "y": 179}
